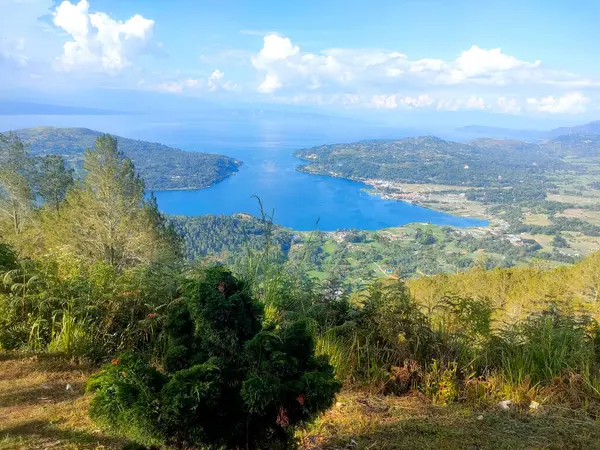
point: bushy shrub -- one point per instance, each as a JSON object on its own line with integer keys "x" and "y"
{"x": 383, "y": 332}
{"x": 60, "y": 305}
{"x": 228, "y": 380}
{"x": 8, "y": 258}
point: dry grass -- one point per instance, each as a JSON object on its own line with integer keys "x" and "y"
{"x": 537, "y": 219}
{"x": 589, "y": 215}
{"x": 361, "y": 421}
{"x": 37, "y": 411}
{"x": 574, "y": 199}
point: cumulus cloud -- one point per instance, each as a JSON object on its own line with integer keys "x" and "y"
{"x": 488, "y": 66}
{"x": 469, "y": 103}
{"x": 99, "y": 42}
{"x": 477, "y": 79}
{"x": 398, "y": 101}
{"x": 283, "y": 65}
{"x": 572, "y": 103}
{"x": 214, "y": 82}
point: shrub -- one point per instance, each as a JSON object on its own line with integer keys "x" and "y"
{"x": 385, "y": 331}
{"x": 8, "y": 258}
{"x": 228, "y": 380}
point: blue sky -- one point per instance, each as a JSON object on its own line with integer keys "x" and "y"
{"x": 509, "y": 61}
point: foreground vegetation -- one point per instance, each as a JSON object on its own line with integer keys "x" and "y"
{"x": 38, "y": 412}
{"x": 200, "y": 355}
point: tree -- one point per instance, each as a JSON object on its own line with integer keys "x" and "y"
{"x": 229, "y": 380}
{"x": 107, "y": 218}
{"x": 54, "y": 180}
{"x": 559, "y": 242}
{"x": 16, "y": 195}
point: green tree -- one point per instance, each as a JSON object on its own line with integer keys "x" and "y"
{"x": 559, "y": 242}
{"x": 16, "y": 195}
{"x": 106, "y": 217}
{"x": 54, "y": 180}
{"x": 229, "y": 380}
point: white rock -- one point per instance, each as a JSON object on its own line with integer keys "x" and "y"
{"x": 479, "y": 417}
{"x": 504, "y": 405}
{"x": 69, "y": 388}
{"x": 534, "y": 405}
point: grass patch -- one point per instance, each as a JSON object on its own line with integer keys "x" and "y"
{"x": 37, "y": 411}
{"x": 362, "y": 421}
{"x": 537, "y": 219}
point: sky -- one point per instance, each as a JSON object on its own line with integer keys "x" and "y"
{"x": 506, "y": 62}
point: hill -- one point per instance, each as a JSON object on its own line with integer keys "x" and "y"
{"x": 588, "y": 128}
{"x": 160, "y": 166}
{"x": 506, "y": 133}
{"x": 482, "y": 162}
{"x": 530, "y": 135}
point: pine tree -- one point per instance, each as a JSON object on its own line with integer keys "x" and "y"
{"x": 16, "y": 195}
{"x": 106, "y": 217}
{"x": 54, "y": 180}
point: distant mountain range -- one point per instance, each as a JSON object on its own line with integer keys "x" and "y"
{"x": 161, "y": 167}
{"x": 591, "y": 128}
{"x": 18, "y": 108}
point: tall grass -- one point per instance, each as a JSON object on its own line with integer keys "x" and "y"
{"x": 545, "y": 345}
{"x": 70, "y": 335}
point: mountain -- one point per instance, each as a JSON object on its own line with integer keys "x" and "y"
{"x": 587, "y": 129}
{"x": 160, "y": 166}
{"x": 573, "y": 145}
{"x": 17, "y": 108}
{"x": 502, "y": 133}
{"x": 529, "y": 135}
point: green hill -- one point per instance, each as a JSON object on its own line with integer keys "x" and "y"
{"x": 160, "y": 166}
{"x": 483, "y": 162}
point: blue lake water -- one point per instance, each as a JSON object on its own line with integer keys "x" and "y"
{"x": 300, "y": 201}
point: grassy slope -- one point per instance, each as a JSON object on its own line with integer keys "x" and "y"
{"x": 37, "y": 412}
{"x": 368, "y": 422}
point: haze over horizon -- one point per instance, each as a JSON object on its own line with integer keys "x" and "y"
{"x": 406, "y": 62}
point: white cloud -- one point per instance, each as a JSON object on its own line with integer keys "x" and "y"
{"x": 478, "y": 62}
{"x": 99, "y": 42}
{"x": 276, "y": 47}
{"x": 508, "y": 106}
{"x": 217, "y": 82}
{"x": 470, "y": 103}
{"x": 572, "y": 103}
{"x": 13, "y": 51}
{"x": 477, "y": 79}
{"x": 283, "y": 65}
{"x": 214, "y": 82}
{"x": 398, "y": 101}
{"x": 270, "y": 84}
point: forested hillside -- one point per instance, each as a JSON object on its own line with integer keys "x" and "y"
{"x": 483, "y": 162}
{"x": 160, "y": 166}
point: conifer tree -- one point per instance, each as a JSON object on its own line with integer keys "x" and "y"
{"x": 107, "y": 217}
{"x": 16, "y": 195}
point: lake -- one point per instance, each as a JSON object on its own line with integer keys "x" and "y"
{"x": 300, "y": 201}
